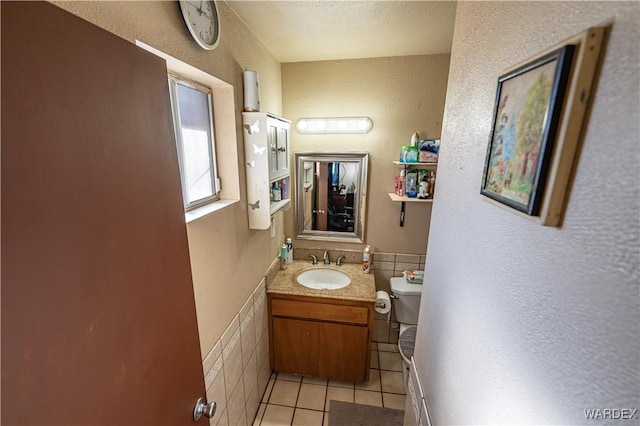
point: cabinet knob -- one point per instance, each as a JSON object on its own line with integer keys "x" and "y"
{"x": 282, "y": 149}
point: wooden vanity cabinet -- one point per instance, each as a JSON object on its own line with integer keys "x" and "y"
{"x": 329, "y": 338}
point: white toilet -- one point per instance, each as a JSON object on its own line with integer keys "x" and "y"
{"x": 406, "y": 305}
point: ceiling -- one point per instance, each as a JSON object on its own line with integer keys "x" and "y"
{"x": 317, "y": 30}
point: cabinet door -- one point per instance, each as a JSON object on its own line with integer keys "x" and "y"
{"x": 283, "y": 149}
{"x": 278, "y": 144}
{"x": 343, "y": 352}
{"x": 296, "y": 346}
{"x": 272, "y": 147}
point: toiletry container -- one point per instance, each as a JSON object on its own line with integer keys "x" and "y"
{"x": 406, "y": 306}
{"x": 415, "y": 138}
{"x": 412, "y": 190}
{"x": 409, "y": 154}
{"x": 412, "y": 154}
{"x": 403, "y": 153}
{"x": 424, "y": 188}
{"x": 432, "y": 184}
{"x": 277, "y": 194}
{"x": 366, "y": 260}
{"x": 402, "y": 183}
{"x": 283, "y": 257}
{"x": 289, "y": 251}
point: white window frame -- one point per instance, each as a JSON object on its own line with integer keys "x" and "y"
{"x": 174, "y": 80}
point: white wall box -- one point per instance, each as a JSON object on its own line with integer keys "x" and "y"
{"x": 266, "y": 151}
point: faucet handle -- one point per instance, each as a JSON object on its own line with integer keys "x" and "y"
{"x": 339, "y": 261}
{"x": 314, "y": 260}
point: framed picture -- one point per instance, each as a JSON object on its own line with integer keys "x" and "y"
{"x": 527, "y": 114}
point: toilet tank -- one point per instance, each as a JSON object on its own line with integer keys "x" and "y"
{"x": 407, "y": 305}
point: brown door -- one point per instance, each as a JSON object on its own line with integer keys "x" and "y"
{"x": 98, "y": 313}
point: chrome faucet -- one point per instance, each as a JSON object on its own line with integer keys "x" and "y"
{"x": 339, "y": 261}
{"x": 325, "y": 258}
{"x": 314, "y": 260}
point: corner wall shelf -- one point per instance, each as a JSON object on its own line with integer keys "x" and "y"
{"x": 406, "y": 199}
{"x": 400, "y": 163}
{"x": 274, "y": 206}
{"x": 394, "y": 197}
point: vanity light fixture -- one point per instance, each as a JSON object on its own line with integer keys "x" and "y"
{"x": 339, "y": 125}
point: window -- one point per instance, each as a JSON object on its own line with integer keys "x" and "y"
{"x": 192, "y": 117}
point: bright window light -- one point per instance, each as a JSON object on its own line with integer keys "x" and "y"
{"x": 192, "y": 106}
{"x": 334, "y": 125}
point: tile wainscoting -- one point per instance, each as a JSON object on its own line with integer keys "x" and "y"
{"x": 237, "y": 368}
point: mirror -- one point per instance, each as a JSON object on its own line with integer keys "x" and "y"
{"x": 331, "y": 190}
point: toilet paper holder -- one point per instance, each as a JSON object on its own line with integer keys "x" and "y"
{"x": 382, "y": 305}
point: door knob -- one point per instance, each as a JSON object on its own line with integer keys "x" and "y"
{"x": 203, "y": 408}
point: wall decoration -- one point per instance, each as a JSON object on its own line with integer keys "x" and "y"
{"x": 538, "y": 122}
{"x": 527, "y": 111}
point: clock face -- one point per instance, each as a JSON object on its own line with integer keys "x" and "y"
{"x": 203, "y": 22}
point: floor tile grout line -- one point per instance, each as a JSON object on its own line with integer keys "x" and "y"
{"x": 324, "y": 407}
{"x": 295, "y": 406}
{"x": 271, "y": 390}
{"x": 308, "y": 409}
{"x": 268, "y": 397}
{"x": 354, "y": 393}
{"x": 282, "y": 405}
{"x": 262, "y": 416}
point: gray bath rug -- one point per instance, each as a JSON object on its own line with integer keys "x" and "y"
{"x": 349, "y": 414}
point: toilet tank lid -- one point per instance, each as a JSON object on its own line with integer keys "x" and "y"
{"x": 400, "y": 286}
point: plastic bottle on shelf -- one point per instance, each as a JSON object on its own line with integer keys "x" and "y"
{"x": 284, "y": 190}
{"x": 424, "y": 188}
{"x": 412, "y": 191}
{"x": 415, "y": 139}
{"x": 277, "y": 194}
{"x": 402, "y": 183}
{"x": 432, "y": 184}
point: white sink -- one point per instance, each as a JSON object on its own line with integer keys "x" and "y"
{"x": 323, "y": 279}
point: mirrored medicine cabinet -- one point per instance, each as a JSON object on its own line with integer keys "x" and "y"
{"x": 331, "y": 194}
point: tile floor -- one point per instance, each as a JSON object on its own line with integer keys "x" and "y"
{"x": 296, "y": 400}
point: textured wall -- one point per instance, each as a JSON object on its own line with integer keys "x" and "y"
{"x": 521, "y": 323}
{"x": 227, "y": 258}
{"x": 401, "y": 95}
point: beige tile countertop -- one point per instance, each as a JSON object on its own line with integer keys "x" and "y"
{"x": 362, "y": 287}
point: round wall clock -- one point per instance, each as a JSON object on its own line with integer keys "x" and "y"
{"x": 203, "y": 22}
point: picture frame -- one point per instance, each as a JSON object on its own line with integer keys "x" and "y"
{"x": 527, "y": 113}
